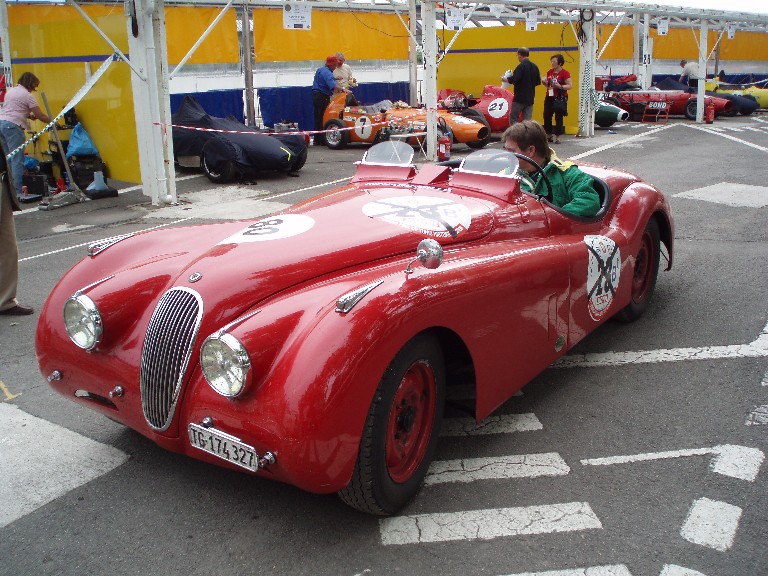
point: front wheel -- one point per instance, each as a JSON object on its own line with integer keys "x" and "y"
{"x": 690, "y": 109}
{"x": 644, "y": 274}
{"x": 401, "y": 430}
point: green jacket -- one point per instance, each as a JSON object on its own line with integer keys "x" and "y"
{"x": 572, "y": 189}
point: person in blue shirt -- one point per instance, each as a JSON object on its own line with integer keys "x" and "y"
{"x": 323, "y": 87}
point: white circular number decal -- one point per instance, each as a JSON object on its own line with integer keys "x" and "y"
{"x": 273, "y": 228}
{"x": 363, "y": 127}
{"x": 498, "y": 108}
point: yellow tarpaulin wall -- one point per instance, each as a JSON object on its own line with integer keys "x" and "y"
{"x": 184, "y": 25}
{"x": 58, "y": 46}
{"x": 361, "y": 36}
{"x": 481, "y": 55}
{"x": 682, "y": 43}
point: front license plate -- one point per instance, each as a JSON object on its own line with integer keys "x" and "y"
{"x": 223, "y": 446}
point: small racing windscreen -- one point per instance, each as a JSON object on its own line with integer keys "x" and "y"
{"x": 490, "y": 161}
{"x": 389, "y": 152}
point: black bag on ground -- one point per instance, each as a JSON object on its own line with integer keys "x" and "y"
{"x": 83, "y": 168}
{"x": 560, "y": 105}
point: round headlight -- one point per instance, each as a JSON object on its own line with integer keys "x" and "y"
{"x": 225, "y": 364}
{"x": 82, "y": 321}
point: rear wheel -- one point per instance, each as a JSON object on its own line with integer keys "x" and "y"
{"x": 401, "y": 430}
{"x": 335, "y": 138}
{"x": 477, "y": 116}
{"x": 690, "y": 109}
{"x": 644, "y": 275}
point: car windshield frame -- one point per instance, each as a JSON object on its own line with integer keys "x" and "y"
{"x": 491, "y": 161}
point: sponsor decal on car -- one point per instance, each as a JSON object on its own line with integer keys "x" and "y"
{"x": 273, "y": 228}
{"x": 463, "y": 120}
{"x": 603, "y": 272}
{"x": 434, "y": 217}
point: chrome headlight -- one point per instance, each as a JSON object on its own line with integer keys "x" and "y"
{"x": 82, "y": 321}
{"x": 225, "y": 364}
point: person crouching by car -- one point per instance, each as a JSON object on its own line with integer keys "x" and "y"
{"x": 572, "y": 189}
{"x": 557, "y": 82}
{"x": 323, "y": 87}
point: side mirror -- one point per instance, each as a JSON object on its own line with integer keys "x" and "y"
{"x": 428, "y": 252}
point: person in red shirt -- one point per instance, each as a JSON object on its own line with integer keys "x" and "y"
{"x": 557, "y": 82}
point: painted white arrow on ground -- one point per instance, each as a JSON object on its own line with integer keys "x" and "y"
{"x": 730, "y": 460}
{"x": 755, "y": 349}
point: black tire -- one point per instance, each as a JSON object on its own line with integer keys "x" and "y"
{"x": 300, "y": 161}
{"x": 477, "y": 116}
{"x": 401, "y": 430}
{"x": 336, "y": 139}
{"x": 690, "y": 109}
{"x": 215, "y": 166}
{"x": 644, "y": 274}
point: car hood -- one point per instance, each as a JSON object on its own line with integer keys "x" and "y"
{"x": 235, "y": 265}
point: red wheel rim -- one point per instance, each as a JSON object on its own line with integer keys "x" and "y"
{"x": 410, "y": 422}
{"x": 641, "y": 279}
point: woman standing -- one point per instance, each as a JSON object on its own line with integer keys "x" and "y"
{"x": 557, "y": 82}
{"x": 19, "y": 108}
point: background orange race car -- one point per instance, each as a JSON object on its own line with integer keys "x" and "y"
{"x": 346, "y": 121}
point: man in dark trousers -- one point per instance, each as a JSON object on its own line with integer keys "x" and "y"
{"x": 323, "y": 87}
{"x": 525, "y": 78}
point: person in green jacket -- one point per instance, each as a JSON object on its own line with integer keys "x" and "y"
{"x": 572, "y": 189}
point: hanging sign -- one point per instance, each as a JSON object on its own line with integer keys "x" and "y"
{"x": 662, "y": 27}
{"x": 454, "y": 18}
{"x": 297, "y": 16}
{"x": 531, "y": 21}
{"x": 731, "y": 31}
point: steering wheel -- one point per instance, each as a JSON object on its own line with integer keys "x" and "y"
{"x": 548, "y": 195}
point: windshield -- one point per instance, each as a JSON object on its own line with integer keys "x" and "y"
{"x": 389, "y": 152}
{"x": 489, "y": 161}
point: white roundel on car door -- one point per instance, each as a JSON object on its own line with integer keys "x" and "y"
{"x": 603, "y": 272}
{"x": 435, "y": 217}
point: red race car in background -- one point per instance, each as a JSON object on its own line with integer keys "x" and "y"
{"x": 680, "y": 103}
{"x": 494, "y": 105}
{"x": 314, "y": 346}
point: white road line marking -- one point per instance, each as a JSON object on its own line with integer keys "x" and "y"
{"x": 712, "y": 524}
{"x": 755, "y": 349}
{"x": 52, "y": 252}
{"x": 758, "y": 416}
{"x": 488, "y": 524}
{"x": 472, "y": 469}
{"x": 765, "y": 380}
{"x": 503, "y": 424}
{"x": 730, "y": 460}
{"x": 674, "y": 570}
{"x": 63, "y": 460}
{"x": 610, "y": 570}
{"x": 703, "y": 129}
{"x": 619, "y": 142}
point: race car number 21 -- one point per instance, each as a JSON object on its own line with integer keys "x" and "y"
{"x": 273, "y": 228}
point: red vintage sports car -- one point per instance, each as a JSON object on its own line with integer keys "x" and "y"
{"x": 494, "y": 105}
{"x": 347, "y": 121}
{"x": 315, "y": 346}
{"x": 680, "y": 103}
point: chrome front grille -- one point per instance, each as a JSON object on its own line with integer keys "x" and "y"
{"x": 167, "y": 347}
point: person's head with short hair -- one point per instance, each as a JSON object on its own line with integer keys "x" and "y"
{"x": 557, "y": 58}
{"x": 523, "y": 52}
{"x": 683, "y": 63}
{"x": 331, "y": 62}
{"x": 29, "y": 81}
{"x": 530, "y": 139}
{"x": 340, "y": 57}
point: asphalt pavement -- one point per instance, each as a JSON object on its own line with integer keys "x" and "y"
{"x": 641, "y": 453}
